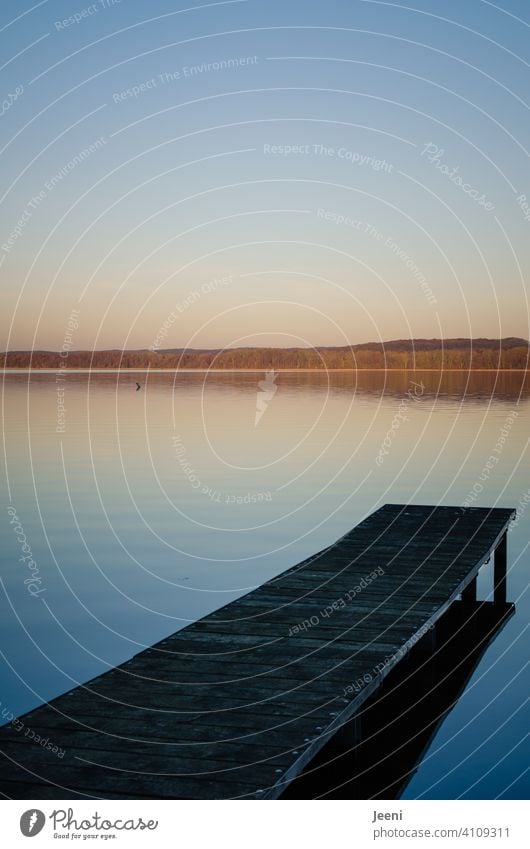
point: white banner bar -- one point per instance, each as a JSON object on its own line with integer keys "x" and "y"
{"x": 258, "y": 825}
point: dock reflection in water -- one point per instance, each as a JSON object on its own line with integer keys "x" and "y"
{"x": 377, "y": 753}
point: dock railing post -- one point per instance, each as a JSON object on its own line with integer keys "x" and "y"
{"x": 499, "y": 572}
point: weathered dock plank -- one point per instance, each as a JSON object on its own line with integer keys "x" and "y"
{"x": 235, "y": 705}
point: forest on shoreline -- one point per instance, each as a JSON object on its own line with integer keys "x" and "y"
{"x": 408, "y": 354}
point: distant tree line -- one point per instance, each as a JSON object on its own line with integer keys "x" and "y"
{"x": 409, "y": 354}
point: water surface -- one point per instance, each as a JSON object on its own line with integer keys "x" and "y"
{"x": 144, "y": 510}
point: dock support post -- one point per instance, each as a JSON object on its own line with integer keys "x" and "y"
{"x": 428, "y": 645}
{"x": 348, "y": 737}
{"x": 469, "y": 593}
{"x": 499, "y": 572}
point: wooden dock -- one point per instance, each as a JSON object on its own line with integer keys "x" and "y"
{"x": 237, "y": 704}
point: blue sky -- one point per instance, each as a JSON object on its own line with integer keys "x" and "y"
{"x": 344, "y": 171}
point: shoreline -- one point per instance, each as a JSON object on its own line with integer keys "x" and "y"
{"x": 13, "y": 370}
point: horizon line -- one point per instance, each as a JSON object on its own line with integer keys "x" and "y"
{"x": 150, "y": 349}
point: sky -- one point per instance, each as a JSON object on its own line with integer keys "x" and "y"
{"x": 248, "y": 173}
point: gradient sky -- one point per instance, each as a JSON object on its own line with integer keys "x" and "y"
{"x": 185, "y": 186}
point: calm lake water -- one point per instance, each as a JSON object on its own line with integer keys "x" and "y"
{"x": 144, "y": 510}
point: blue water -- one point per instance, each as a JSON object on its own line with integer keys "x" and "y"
{"x": 142, "y": 511}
